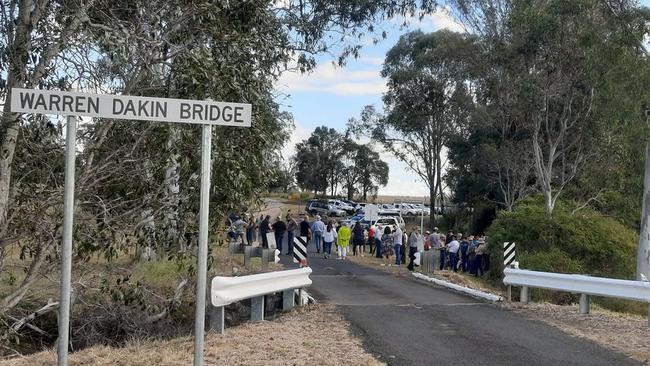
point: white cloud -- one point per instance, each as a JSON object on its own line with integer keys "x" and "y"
{"x": 329, "y": 78}
{"x": 298, "y": 134}
{"x": 441, "y": 19}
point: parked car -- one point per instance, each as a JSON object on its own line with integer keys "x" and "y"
{"x": 392, "y": 221}
{"x": 325, "y": 209}
{"x": 354, "y": 219}
{"x": 341, "y": 206}
{"x": 350, "y": 203}
{"x": 421, "y": 207}
{"x": 405, "y": 209}
{"x": 388, "y": 210}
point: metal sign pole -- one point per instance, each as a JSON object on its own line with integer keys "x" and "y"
{"x": 202, "y": 257}
{"x": 66, "y": 241}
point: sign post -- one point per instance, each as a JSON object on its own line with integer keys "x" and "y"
{"x": 202, "y": 257}
{"x": 206, "y": 113}
{"x": 66, "y": 241}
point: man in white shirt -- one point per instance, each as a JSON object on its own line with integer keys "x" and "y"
{"x": 453, "y": 248}
{"x": 397, "y": 244}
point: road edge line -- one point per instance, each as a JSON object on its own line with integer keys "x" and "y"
{"x": 466, "y": 290}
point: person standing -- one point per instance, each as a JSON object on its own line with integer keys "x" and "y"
{"x": 371, "y": 239}
{"x": 453, "y": 247}
{"x": 377, "y": 244}
{"x": 292, "y": 226}
{"x": 357, "y": 239}
{"x": 471, "y": 255}
{"x": 317, "y": 229}
{"x": 343, "y": 241}
{"x": 329, "y": 236}
{"x": 414, "y": 240}
{"x": 387, "y": 245}
{"x": 240, "y": 227}
{"x": 464, "y": 254}
{"x": 250, "y": 230}
{"x": 279, "y": 228}
{"x": 305, "y": 229}
{"x": 398, "y": 237}
{"x": 265, "y": 228}
{"x": 481, "y": 251}
{"x": 258, "y": 232}
{"x": 405, "y": 240}
{"x": 442, "y": 248}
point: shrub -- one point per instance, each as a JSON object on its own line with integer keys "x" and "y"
{"x": 586, "y": 242}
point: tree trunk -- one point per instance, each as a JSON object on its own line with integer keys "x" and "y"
{"x": 643, "y": 254}
{"x": 432, "y": 204}
{"x": 172, "y": 192}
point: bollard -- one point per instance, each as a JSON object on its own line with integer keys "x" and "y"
{"x": 257, "y": 308}
{"x": 523, "y": 295}
{"x": 288, "y": 299}
{"x": 247, "y": 256}
{"x": 584, "y": 304}
{"x": 265, "y": 259}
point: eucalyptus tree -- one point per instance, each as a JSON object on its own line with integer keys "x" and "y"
{"x": 428, "y": 100}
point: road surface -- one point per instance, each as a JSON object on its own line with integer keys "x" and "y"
{"x": 407, "y": 322}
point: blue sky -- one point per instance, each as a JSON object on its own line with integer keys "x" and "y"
{"x": 331, "y": 95}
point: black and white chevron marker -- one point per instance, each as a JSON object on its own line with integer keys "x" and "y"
{"x": 300, "y": 250}
{"x": 508, "y": 253}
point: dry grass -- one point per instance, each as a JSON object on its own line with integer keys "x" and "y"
{"x": 314, "y": 335}
{"x": 625, "y": 333}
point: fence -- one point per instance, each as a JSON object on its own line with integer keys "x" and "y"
{"x": 581, "y": 284}
{"x": 227, "y": 290}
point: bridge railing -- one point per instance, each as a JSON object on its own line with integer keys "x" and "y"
{"x": 581, "y": 284}
{"x": 227, "y": 290}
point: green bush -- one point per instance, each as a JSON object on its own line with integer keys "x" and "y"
{"x": 586, "y": 242}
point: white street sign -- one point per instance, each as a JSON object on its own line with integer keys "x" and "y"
{"x": 130, "y": 107}
{"x": 371, "y": 213}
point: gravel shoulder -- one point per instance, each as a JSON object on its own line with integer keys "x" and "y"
{"x": 312, "y": 335}
{"x": 625, "y": 333}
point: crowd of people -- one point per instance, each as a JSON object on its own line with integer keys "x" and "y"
{"x": 457, "y": 252}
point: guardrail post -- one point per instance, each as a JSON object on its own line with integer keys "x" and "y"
{"x": 288, "y": 299}
{"x": 509, "y": 293}
{"x": 523, "y": 295}
{"x": 648, "y": 314}
{"x": 265, "y": 259}
{"x": 247, "y": 256}
{"x": 584, "y": 304}
{"x": 257, "y": 308}
{"x": 216, "y": 318}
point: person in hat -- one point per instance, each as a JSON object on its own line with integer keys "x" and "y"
{"x": 453, "y": 248}
{"x": 427, "y": 240}
{"x": 317, "y": 229}
{"x": 481, "y": 253}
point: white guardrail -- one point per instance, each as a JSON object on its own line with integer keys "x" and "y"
{"x": 226, "y": 290}
{"x": 581, "y": 284}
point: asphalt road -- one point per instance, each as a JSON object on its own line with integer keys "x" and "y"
{"x": 407, "y": 322}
